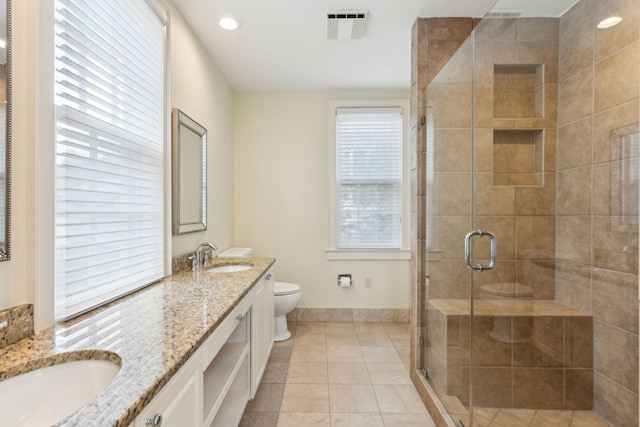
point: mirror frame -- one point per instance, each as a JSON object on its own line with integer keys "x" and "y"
{"x": 5, "y": 253}
{"x": 183, "y": 123}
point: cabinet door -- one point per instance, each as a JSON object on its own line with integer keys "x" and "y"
{"x": 180, "y": 401}
{"x": 261, "y": 329}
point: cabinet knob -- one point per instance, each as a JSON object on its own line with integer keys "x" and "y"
{"x": 268, "y": 276}
{"x": 156, "y": 421}
{"x": 239, "y": 317}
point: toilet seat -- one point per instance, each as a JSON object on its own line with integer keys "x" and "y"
{"x": 284, "y": 288}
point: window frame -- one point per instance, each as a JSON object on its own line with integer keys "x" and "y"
{"x": 333, "y": 252}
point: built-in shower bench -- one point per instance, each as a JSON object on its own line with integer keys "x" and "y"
{"x": 526, "y": 353}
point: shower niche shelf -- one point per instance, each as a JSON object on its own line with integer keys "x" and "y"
{"x": 518, "y": 91}
{"x": 518, "y": 156}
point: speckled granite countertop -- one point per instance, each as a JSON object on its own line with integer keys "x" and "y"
{"x": 151, "y": 333}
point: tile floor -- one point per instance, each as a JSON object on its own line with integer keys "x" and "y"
{"x": 503, "y": 417}
{"x": 492, "y": 417}
{"x": 339, "y": 375}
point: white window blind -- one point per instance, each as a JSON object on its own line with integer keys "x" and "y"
{"x": 368, "y": 178}
{"x": 110, "y": 122}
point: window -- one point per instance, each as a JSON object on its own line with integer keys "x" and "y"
{"x": 368, "y": 174}
{"x": 110, "y": 114}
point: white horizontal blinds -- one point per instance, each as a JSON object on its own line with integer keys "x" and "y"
{"x": 368, "y": 178}
{"x": 110, "y": 112}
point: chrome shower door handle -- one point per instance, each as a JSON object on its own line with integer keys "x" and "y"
{"x": 467, "y": 250}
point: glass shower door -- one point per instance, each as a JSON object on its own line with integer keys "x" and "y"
{"x": 446, "y": 298}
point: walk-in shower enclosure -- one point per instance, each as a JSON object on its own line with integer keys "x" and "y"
{"x": 525, "y": 214}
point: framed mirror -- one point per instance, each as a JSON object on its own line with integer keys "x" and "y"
{"x": 5, "y": 129}
{"x": 189, "y": 172}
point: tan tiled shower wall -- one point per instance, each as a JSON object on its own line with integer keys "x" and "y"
{"x": 597, "y": 238}
{"x": 526, "y": 354}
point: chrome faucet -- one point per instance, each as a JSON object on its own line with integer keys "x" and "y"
{"x": 199, "y": 261}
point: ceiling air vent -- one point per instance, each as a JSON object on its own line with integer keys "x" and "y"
{"x": 504, "y": 14}
{"x": 346, "y": 24}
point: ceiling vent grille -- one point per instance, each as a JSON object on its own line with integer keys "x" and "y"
{"x": 346, "y": 24}
{"x": 504, "y": 14}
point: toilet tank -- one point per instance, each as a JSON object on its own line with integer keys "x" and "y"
{"x": 236, "y": 253}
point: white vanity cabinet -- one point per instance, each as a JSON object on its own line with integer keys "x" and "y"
{"x": 180, "y": 402}
{"x": 262, "y": 324}
{"x": 214, "y": 386}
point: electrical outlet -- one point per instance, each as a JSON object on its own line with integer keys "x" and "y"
{"x": 368, "y": 282}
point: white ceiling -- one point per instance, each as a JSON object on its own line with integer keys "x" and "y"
{"x": 281, "y": 44}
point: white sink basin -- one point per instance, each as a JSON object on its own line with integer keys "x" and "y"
{"x": 229, "y": 268}
{"x": 48, "y": 395}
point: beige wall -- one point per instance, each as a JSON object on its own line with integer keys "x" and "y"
{"x": 282, "y": 199}
{"x": 197, "y": 88}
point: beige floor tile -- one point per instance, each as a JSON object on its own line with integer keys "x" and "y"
{"x": 340, "y": 330}
{"x": 285, "y": 343}
{"x": 280, "y": 354}
{"x": 275, "y": 372}
{"x": 380, "y": 355}
{"x": 375, "y": 339}
{"x": 352, "y": 398}
{"x": 311, "y": 354}
{"x": 268, "y": 398}
{"x": 482, "y": 421}
{"x": 396, "y": 328}
{"x": 369, "y": 327}
{"x": 513, "y": 418}
{"x": 307, "y": 373}
{"x": 399, "y": 340}
{"x": 259, "y": 419}
{"x": 305, "y": 398}
{"x": 407, "y": 420}
{"x": 356, "y": 420}
{"x": 342, "y": 340}
{"x": 310, "y": 326}
{"x": 552, "y": 418}
{"x": 398, "y": 398}
{"x": 348, "y": 354}
{"x": 339, "y": 326}
{"x": 312, "y": 339}
{"x": 348, "y": 373}
{"x": 587, "y": 419}
{"x": 489, "y": 413}
{"x": 298, "y": 419}
{"x": 388, "y": 373}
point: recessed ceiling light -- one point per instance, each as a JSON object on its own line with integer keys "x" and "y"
{"x": 609, "y": 22}
{"x": 228, "y": 23}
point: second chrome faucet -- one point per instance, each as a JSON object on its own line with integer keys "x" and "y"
{"x": 202, "y": 248}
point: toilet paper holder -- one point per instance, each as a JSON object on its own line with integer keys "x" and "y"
{"x": 344, "y": 280}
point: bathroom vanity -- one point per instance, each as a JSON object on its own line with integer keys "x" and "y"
{"x": 192, "y": 349}
{"x": 213, "y": 387}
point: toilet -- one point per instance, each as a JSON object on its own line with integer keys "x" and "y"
{"x": 286, "y": 296}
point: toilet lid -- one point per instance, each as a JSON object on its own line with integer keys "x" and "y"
{"x": 508, "y": 290}
{"x": 284, "y": 288}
